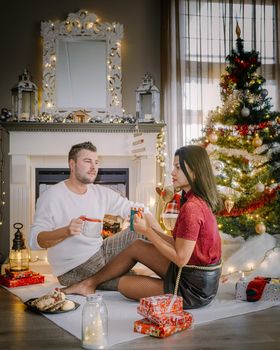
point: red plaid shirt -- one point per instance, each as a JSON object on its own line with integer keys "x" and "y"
{"x": 196, "y": 222}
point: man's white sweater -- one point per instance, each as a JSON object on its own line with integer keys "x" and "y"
{"x": 57, "y": 206}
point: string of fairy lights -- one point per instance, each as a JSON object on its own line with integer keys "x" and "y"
{"x": 2, "y": 182}
{"x": 251, "y": 265}
{"x": 161, "y": 156}
{"x": 2, "y": 187}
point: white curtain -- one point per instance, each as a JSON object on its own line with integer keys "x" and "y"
{"x": 197, "y": 36}
{"x": 171, "y": 78}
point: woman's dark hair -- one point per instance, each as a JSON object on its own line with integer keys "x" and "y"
{"x": 73, "y": 153}
{"x": 203, "y": 184}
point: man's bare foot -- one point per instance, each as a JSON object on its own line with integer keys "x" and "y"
{"x": 84, "y": 288}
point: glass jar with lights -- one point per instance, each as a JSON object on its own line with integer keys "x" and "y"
{"x": 94, "y": 323}
{"x": 19, "y": 255}
{"x": 25, "y": 99}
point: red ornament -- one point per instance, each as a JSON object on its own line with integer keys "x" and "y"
{"x": 243, "y": 129}
{"x": 233, "y": 78}
{"x": 262, "y": 125}
{"x": 253, "y": 60}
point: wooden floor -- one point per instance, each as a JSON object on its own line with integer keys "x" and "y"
{"x": 21, "y": 329}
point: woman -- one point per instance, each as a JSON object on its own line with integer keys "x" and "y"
{"x": 195, "y": 245}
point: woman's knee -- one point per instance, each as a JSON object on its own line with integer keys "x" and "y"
{"x": 139, "y": 245}
{"x": 124, "y": 285}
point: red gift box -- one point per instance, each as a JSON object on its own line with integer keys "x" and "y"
{"x": 168, "y": 318}
{"x": 157, "y": 305}
{"x": 145, "y": 326}
{"x": 9, "y": 282}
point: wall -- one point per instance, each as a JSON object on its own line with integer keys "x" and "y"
{"x": 22, "y": 45}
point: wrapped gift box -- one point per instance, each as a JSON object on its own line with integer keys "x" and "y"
{"x": 168, "y": 318}
{"x": 10, "y": 282}
{"x": 160, "y": 304}
{"x": 145, "y": 326}
{"x": 271, "y": 291}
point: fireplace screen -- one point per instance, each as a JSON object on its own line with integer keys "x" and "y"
{"x": 115, "y": 178}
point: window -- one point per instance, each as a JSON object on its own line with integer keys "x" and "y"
{"x": 207, "y": 37}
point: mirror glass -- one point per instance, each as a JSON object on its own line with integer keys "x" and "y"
{"x": 81, "y": 74}
{"x": 82, "y": 66}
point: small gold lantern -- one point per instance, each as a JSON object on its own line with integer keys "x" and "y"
{"x": 25, "y": 99}
{"x": 19, "y": 255}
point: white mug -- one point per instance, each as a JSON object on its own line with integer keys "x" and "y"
{"x": 92, "y": 227}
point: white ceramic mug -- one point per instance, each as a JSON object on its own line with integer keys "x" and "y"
{"x": 92, "y": 227}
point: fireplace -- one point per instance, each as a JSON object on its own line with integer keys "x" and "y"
{"x": 115, "y": 178}
{"x": 34, "y": 146}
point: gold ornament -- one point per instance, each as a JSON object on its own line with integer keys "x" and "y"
{"x": 229, "y": 204}
{"x": 257, "y": 141}
{"x": 277, "y": 119}
{"x": 213, "y": 137}
{"x": 260, "y": 228}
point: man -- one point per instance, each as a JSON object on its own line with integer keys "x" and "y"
{"x": 58, "y": 227}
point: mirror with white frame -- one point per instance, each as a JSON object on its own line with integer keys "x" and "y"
{"x": 82, "y": 66}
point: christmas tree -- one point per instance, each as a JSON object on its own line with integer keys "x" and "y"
{"x": 242, "y": 138}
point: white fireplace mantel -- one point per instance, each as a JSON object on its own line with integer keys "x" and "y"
{"x": 46, "y": 145}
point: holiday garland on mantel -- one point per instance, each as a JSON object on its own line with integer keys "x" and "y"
{"x": 242, "y": 138}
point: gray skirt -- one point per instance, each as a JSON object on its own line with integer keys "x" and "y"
{"x": 197, "y": 287}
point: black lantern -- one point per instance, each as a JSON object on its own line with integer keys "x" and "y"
{"x": 25, "y": 99}
{"x": 19, "y": 256}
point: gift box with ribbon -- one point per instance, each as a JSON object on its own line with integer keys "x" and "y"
{"x": 157, "y": 305}
{"x": 23, "y": 278}
{"x": 164, "y": 314}
{"x": 167, "y": 318}
{"x": 259, "y": 288}
{"x": 146, "y": 326}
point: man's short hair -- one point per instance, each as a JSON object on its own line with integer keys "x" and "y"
{"x": 74, "y": 151}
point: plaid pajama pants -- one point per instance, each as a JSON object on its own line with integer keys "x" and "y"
{"x": 111, "y": 246}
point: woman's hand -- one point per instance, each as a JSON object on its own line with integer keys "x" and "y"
{"x": 140, "y": 225}
{"x": 152, "y": 222}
